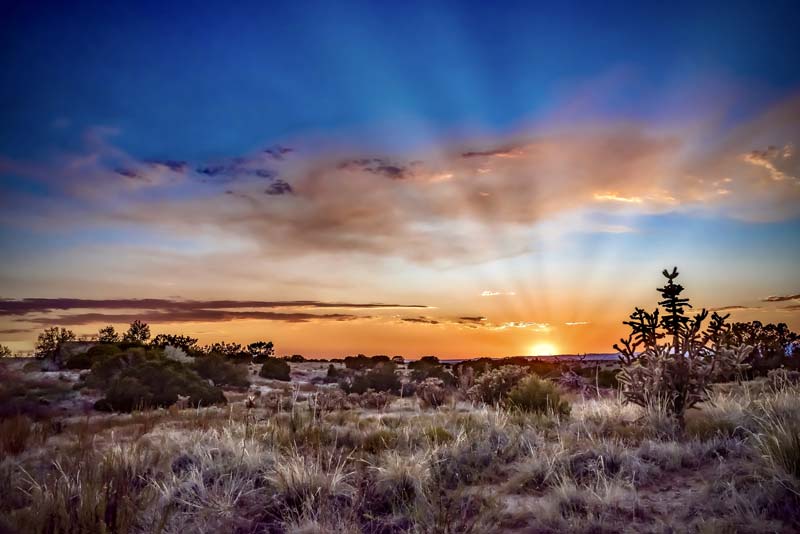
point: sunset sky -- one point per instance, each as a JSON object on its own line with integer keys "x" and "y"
{"x": 408, "y": 178}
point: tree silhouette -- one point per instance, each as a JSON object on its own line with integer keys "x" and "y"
{"x": 185, "y": 343}
{"x": 108, "y": 334}
{"x": 138, "y": 332}
{"x": 48, "y": 342}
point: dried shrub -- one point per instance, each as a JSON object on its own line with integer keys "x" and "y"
{"x": 329, "y": 400}
{"x": 493, "y": 386}
{"x": 370, "y": 399}
{"x": 432, "y": 393}
{"x": 572, "y": 381}
{"x": 277, "y": 401}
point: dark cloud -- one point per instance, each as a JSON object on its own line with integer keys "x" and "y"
{"x": 279, "y": 187}
{"x": 735, "y": 308}
{"x": 278, "y": 152}
{"x": 8, "y": 331}
{"x": 184, "y": 316}
{"x": 509, "y": 151}
{"x": 19, "y": 307}
{"x": 128, "y": 173}
{"x": 425, "y": 320}
{"x": 235, "y": 169}
{"x": 791, "y": 307}
{"x": 379, "y": 166}
{"x": 171, "y": 164}
{"x": 782, "y": 298}
{"x": 472, "y": 319}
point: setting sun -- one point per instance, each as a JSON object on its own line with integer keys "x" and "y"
{"x": 543, "y": 349}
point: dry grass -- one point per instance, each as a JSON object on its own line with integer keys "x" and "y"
{"x": 327, "y": 464}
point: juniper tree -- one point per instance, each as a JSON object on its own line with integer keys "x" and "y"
{"x": 138, "y": 332}
{"x": 108, "y": 334}
{"x": 669, "y": 359}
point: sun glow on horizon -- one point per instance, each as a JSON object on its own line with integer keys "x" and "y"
{"x": 543, "y": 349}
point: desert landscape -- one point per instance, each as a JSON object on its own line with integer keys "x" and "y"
{"x": 125, "y": 435}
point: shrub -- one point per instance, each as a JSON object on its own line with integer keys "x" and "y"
{"x": 375, "y": 400}
{"x": 382, "y": 377}
{"x": 221, "y": 372}
{"x": 361, "y": 362}
{"x": 429, "y": 367}
{"x": 334, "y": 374}
{"x": 139, "y": 379}
{"x": 539, "y": 395}
{"x": 86, "y": 359}
{"x": 432, "y": 393}
{"x": 680, "y": 371}
{"x": 329, "y": 400}
{"x": 572, "y": 381}
{"x": 493, "y": 386}
{"x": 275, "y": 369}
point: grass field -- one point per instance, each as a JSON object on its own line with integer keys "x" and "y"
{"x": 305, "y": 458}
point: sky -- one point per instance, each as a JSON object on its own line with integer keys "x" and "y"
{"x": 450, "y": 178}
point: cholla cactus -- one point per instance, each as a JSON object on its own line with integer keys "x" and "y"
{"x": 676, "y": 373}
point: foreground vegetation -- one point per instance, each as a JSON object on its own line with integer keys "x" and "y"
{"x": 323, "y": 462}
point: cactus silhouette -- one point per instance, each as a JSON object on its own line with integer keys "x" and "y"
{"x": 669, "y": 360}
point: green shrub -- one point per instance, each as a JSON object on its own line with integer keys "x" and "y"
{"x": 275, "y": 369}
{"x": 539, "y": 395}
{"x": 216, "y": 368}
{"x": 138, "y": 379}
{"x": 383, "y": 377}
{"x": 96, "y": 353}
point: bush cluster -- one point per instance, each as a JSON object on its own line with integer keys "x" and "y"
{"x": 138, "y": 379}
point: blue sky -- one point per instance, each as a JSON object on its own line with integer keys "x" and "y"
{"x": 199, "y": 80}
{"x": 429, "y": 151}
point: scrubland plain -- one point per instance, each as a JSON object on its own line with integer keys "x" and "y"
{"x": 305, "y": 457}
